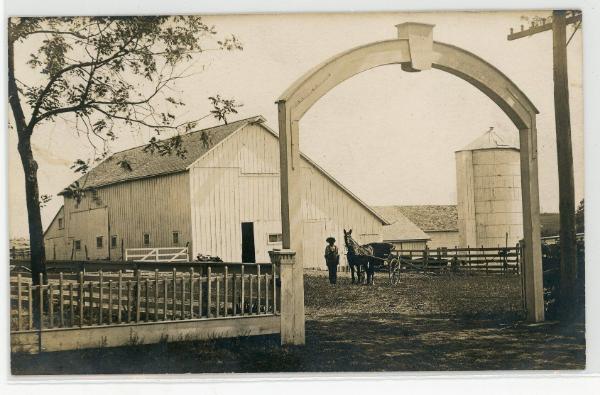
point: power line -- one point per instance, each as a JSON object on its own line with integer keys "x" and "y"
{"x": 542, "y": 25}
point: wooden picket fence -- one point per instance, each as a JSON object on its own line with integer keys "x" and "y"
{"x": 488, "y": 260}
{"x": 72, "y": 300}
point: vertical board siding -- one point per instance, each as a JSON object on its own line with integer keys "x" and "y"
{"x": 54, "y": 237}
{"x": 446, "y": 239}
{"x": 238, "y": 181}
{"x": 157, "y": 205}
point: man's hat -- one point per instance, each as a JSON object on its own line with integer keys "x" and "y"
{"x": 330, "y": 240}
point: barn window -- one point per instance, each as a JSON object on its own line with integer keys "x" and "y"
{"x": 77, "y": 245}
{"x": 146, "y": 239}
{"x": 275, "y": 238}
{"x": 99, "y": 242}
{"x": 113, "y": 241}
{"x": 61, "y": 224}
{"x": 175, "y": 238}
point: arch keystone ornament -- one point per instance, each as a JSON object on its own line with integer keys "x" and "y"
{"x": 415, "y": 51}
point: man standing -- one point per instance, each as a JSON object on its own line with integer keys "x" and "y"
{"x": 332, "y": 259}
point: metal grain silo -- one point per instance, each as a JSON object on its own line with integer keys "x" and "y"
{"x": 488, "y": 179}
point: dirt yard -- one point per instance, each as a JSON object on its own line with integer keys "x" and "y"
{"x": 424, "y": 323}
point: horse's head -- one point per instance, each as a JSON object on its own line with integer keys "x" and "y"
{"x": 348, "y": 240}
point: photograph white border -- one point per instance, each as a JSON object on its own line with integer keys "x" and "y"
{"x": 455, "y": 382}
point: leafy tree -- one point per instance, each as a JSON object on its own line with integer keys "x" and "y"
{"x": 98, "y": 73}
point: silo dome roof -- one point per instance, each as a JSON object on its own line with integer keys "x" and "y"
{"x": 494, "y": 139}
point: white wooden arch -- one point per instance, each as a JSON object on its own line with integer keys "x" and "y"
{"x": 414, "y": 50}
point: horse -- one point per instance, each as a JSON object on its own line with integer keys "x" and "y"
{"x": 360, "y": 259}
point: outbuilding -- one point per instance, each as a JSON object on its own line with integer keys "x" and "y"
{"x": 219, "y": 197}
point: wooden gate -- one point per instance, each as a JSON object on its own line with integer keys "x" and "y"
{"x": 165, "y": 254}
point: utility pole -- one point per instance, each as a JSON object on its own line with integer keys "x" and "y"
{"x": 568, "y": 244}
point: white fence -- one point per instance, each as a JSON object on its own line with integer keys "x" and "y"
{"x": 165, "y": 254}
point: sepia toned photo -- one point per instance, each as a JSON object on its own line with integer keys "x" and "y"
{"x": 300, "y": 192}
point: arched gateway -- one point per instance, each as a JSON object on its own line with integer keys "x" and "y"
{"x": 414, "y": 50}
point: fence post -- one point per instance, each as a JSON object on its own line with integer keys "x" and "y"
{"x": 266, "y": 293}
{"x": 225, "y": 290}
{"x": 200, "y": 291}
{"x": 290, "y": 330}
{"x": 100, "y": 297}
{"x": 60, "y": 296}
{"x": 50, "y": 306}
{"x": 81, "y": 299}
{"x": 155, "y": 294}
{"x": 217, "y": 295}
{"x": 41, "y": 306}
{"x": 71, "y": 306}
{"x": 235, "y": 294}
{"x": 191, "y": 293}
{"x": 138, "y": 296}
{"x": 485, "y": 259}
{"x": 182, "y": 296}
{"x": 120, "y": 295}
{"x": 19, "y": 301}
{"x": 257, "y": 289}
{"x": 110, "y": 307}
{"x": 208, "y": 290}
{"x": 517, "y": 258}
{"x": 174, "y": 304}
{"x": 469, "y": 258}
{"x": 30, "y": 305}
{"x": 128, "y": 301}
{"x": 243, "y": 310}
{"x": 165, "y": 297}
{"x": 274, "y": 269}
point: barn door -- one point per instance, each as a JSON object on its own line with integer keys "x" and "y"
{"x": 248, "y": 250}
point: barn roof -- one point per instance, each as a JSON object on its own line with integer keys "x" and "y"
{"x": 400, "y": 228}
{"x": 494, "y": 138}
{"x": 146, "y": 164}
{"x": 432, "y": 218}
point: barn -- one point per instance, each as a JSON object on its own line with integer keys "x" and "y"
{"x": 438, "y": 222}
{"x": 401, "y": 232}
{"x": 221, "y": 198}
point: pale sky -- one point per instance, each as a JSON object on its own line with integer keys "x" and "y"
{"x": 388, "y": 135}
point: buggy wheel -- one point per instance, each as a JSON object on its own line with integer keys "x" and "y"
{"x": 394, "y": 271}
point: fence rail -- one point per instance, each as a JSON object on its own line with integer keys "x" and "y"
{"x": 469, "y": 259}
{"x": 20, "y": 253}
{"x": 88, "y": 299}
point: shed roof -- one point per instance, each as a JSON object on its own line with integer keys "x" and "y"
{"x": 400, "y": 228}
{"x": 494, "y": 138}
{"x": 432, "y": 218}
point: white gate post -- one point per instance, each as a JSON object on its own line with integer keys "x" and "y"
{"x": 285, "y": 260}
{"x": 292, "y": 273}
{"x": 532, "y": 253}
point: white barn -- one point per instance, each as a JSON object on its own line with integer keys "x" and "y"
{"x": 222, "y": 199}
